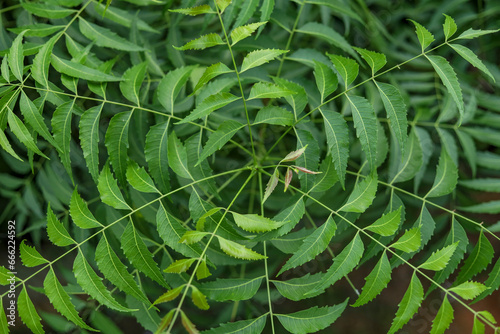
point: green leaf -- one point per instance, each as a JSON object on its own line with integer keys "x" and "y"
{"x": 130, "y": 86}
{"x": 473, "y": 33}
{"x": 410, "y": 241}
{"x": 27, "y": 312}
{"x": 4, "y": 68}
{"x": 56, "y": 231}
{"x": 247, "y": 10}
{"x": 22, "y": 133}
{"x": 16, "y": 56}
{"x": 35, "y": 119}
{"x": 328, "y": 177}
{"x": 449, "y": 28}
{"x": 492, "y": 207}
{"x": 260, "y": 57}
{"x": 117, "y": 143}
{"x": 222, "y": 4}
{"x": 89, "y": 139}
{"x": 4, "y": 142}
{"x": 478, "y": 260}
{"x": 219, "y": 138}
{"x": 139, "y": 256}
{"x": 468, "y": 55}
{"x": 4, "y": 327}
{"x": 366, "y": 127}
{"x": 169, "y": 295}
{"x": 337, "y": 137}
{"x": 449, "y": 79}
{"x": 115, "y": 271}
{"x": 396, "y": 111}
{"x": 179, "y": 266}
{"x": 245, "y": 31}
{"x": 30, "y": 256}
{"x": 191, "y": 237}
{"x": 138, "y": 178}
{"x": 233, "y": 289}
{"x": 312, "y": 319}
{"x": 346, "y": 67}
{"x": 109, "y": 191}
{"x": 80, "y": 71}
{"x": 255, "y": 223}
{"x": 201, "y": 43}
{"x": 309, "y": 160}
{"x": 271, "y": 185}
{"x": 376, "y": 281}
{"x": 327, "y": 34}
{"x": 251, "y": 326}
{"x": 211, "y": 72}
{"x": 274, "y": 115}
{"x": 374, "y": 59}
{"x": 313, "y": 244}
{"x": 493, "y": 282}
{"x": 443, "y": 318}
{"x": 388, "y": 224}
{"x": 412, "y": 160}
{"x": 177, "y": 156}
{"x": 297, "y": 288}
{"x": 37, "y": 30}
{"x": 47, "y": 10}
{"x": 424, "y": 36}
{"x": 122, "y": 17}
{"x": 446, "y": 176}
{"x": 202, "y": 271}
{"x": 362, "y": 196}
{"x": 440, "y": 258}
{"x": 156, "y": 153}
{"x": 342, "y": 265}
{"x": 105, "y": 38}
{"x": 171, "y": 231}
{"x": 298, "y": 100}
{"x": 61, "y": 127}
{"x": 238, "y": 251}
{"x": 469, "y": 290}
{"x": 170, "y": 86}
{"x": 92, "y": 284}
{"x": 61, "y": 301}
{"x": 326, "y": 79}
{"x": 409, "y": 305}
{"x": 478, "y": 327}
{"x": 456, "y": 234}
{"x": 210, "y": 104}
{"x": 483, "y": 184}
{"x": 199, "y": 298}
{"x": 264, "y": 90}
{"x": 193, "y": 11}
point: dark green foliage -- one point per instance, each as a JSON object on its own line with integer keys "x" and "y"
{"x": 191, "y": 165}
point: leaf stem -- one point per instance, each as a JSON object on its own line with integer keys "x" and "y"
{"x": 239, "y": 83}
{"x": 289, "y": 42}
{"x": 178, "y": 308}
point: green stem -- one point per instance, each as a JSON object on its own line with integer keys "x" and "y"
{"x": 289, "y": 42}
{"x": 178, "y": 308}
{"x": 239, "y": 83}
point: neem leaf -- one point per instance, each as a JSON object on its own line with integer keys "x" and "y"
{"x": 362, "y": 196}
{"x": 238, "y": 251}
{"x": 30, "y": 256}
{"x": 201, "y": 43}
{"x": 312, "y": 319}
{"x": 245, "y": 31}
{"x": 256, "y": 223}
{"x": 259, "y": 57}
{"x": 424, "y": 36}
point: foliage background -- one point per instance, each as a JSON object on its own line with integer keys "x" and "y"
{"x": 28, "y": 187}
